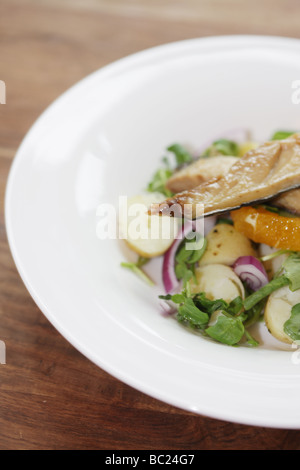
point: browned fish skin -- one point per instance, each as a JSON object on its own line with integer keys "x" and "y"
{"x": 261, "y": 174}
{"x": 200, "y": 171}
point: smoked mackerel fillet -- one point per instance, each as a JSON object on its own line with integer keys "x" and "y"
{"x": 260, "y": 175}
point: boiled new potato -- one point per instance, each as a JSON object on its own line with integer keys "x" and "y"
{"x": 148, "y": 236}
{"x": 246, "y": 147}
{"x": 278, "y": 311}
{"x": 224, "y": 245}
{"x": 218, "y": 282}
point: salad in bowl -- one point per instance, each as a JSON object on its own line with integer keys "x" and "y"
{"x": 226, "y": 221}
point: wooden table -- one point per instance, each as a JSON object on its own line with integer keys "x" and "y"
{"x": 51, "y": 397}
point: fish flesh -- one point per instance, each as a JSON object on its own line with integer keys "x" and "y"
{"x": 260, "y": 175}
{"x": 289, "y": 201}
{"x": 199, "y": 171}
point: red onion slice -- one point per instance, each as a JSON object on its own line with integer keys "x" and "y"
{"x": 251, "y": 271}
{"x": 167, "y": 308}
{"x": 170, "y": 281}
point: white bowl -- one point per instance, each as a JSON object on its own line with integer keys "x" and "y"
{"x": 104, "y": 138}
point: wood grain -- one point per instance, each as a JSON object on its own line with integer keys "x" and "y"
{"x": 51, "y": 396}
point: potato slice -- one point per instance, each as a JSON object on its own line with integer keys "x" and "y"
{"x": 224, "y": 245}
{"x": 218, "y": 282}
{"x": 278, "y": 311}
{"x": 148, "y": 236}
{"x": 246, "y": 146}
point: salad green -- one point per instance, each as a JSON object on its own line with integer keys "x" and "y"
{"x": 227, "y": 322}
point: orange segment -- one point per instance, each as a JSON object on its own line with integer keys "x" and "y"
{"x": 263, "y": 226}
